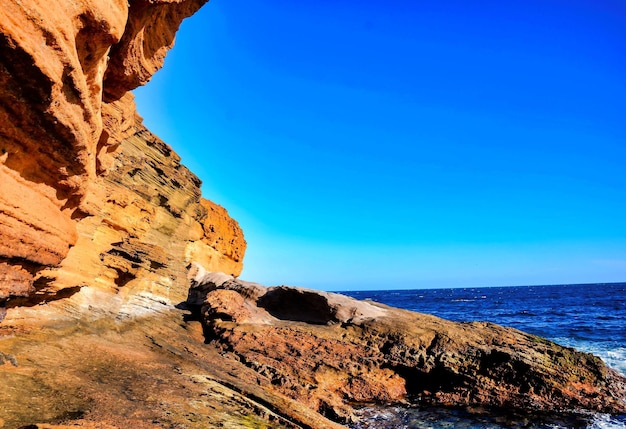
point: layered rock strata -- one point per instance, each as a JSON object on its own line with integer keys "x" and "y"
{"x": 89, "y": 197}
{"x": 329, "y": 352}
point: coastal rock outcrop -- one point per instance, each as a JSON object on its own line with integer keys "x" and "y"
{"x": 329, "y": 352}
{"x": 90, "y": 198}
{"x": 103, "y": 230}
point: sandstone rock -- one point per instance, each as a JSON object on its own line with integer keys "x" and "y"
{"x": 152, "y": 372}
{"x": 316, "y": 307}
{"x": 141, "y": 216}
{"x": 34, "y": 232}
{"x": 99, "y": 223}
{"x": 225, "y": 305}
{"x": 329, "y": 351}
{"x": 90, "y": 197}
{"x": 53, "y": 59}
{"x": 221, "y": 245}
{"x": 203, "y": 282}
{"x": 148, "y": 35}
{"x": 15, "y": 281}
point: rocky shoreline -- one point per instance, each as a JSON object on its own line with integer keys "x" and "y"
{"x": 330, "y": 352}
{"x": 119, "y": 301}
{"x": 237, "y": 354}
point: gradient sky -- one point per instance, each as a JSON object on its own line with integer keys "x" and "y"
{"x": 407, "y": 144}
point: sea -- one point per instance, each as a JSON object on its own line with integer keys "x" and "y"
{"x": 587, "y": 317}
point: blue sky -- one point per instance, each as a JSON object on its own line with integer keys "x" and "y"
{"x": 405, "y": 144}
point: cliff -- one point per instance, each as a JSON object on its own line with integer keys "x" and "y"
{"x": 90, "y": 198}
{"x": 119, "y": 302}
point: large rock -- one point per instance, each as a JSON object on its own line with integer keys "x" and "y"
{"x": 90, "y": 197}
{"x": 151, "y": 372}
{"x": 329, "y": 351}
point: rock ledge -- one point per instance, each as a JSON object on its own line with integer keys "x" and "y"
{"x": 331, "y": 352}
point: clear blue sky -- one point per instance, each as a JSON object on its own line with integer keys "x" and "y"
{"x": 407, "y": 144}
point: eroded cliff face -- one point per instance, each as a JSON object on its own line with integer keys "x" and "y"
{"x": 89, "y": 197}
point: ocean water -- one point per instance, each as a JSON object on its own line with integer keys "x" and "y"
{"x": 589, "y": 317}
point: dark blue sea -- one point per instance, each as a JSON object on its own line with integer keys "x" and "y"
{"x": 588, "y": 317}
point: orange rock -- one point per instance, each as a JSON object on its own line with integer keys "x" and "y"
{"x": 329, "y": 351}
{"x": 149, "y": 34}
{"x": 221, "y": 246}
{"x": 15, "y": 281}
{"x": 227, "y": 305}
{"x": 89, "y": 197}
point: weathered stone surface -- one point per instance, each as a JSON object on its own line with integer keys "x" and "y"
{"x": 15, "y": 280}
{"x": 246, "y": 367}
{"x": 148, "y": 35}
{"x": 329, "y": 351}
{"x": 89, "y": 197}
{"x": 53, "y": 58}
{"x": 102, "y": 230}
{"x": 220, "y": 245}
{"x": 149, "y": 373}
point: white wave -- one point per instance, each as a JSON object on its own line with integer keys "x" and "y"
{"x": 614, "y": 357}
{"x": 605, "y": 421}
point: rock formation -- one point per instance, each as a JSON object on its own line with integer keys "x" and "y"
{"x": 103, "y": 230}
{"x": 329, "y": 352}
{"x": 89, "y": 196}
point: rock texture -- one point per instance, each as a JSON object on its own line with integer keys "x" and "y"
{"x": 89, "y": 196}
{"x": 103, "y": 230}
{"x": 150, "y": 372}
{"x": 243, "y": 355}
{"x": 329, "y": 352}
